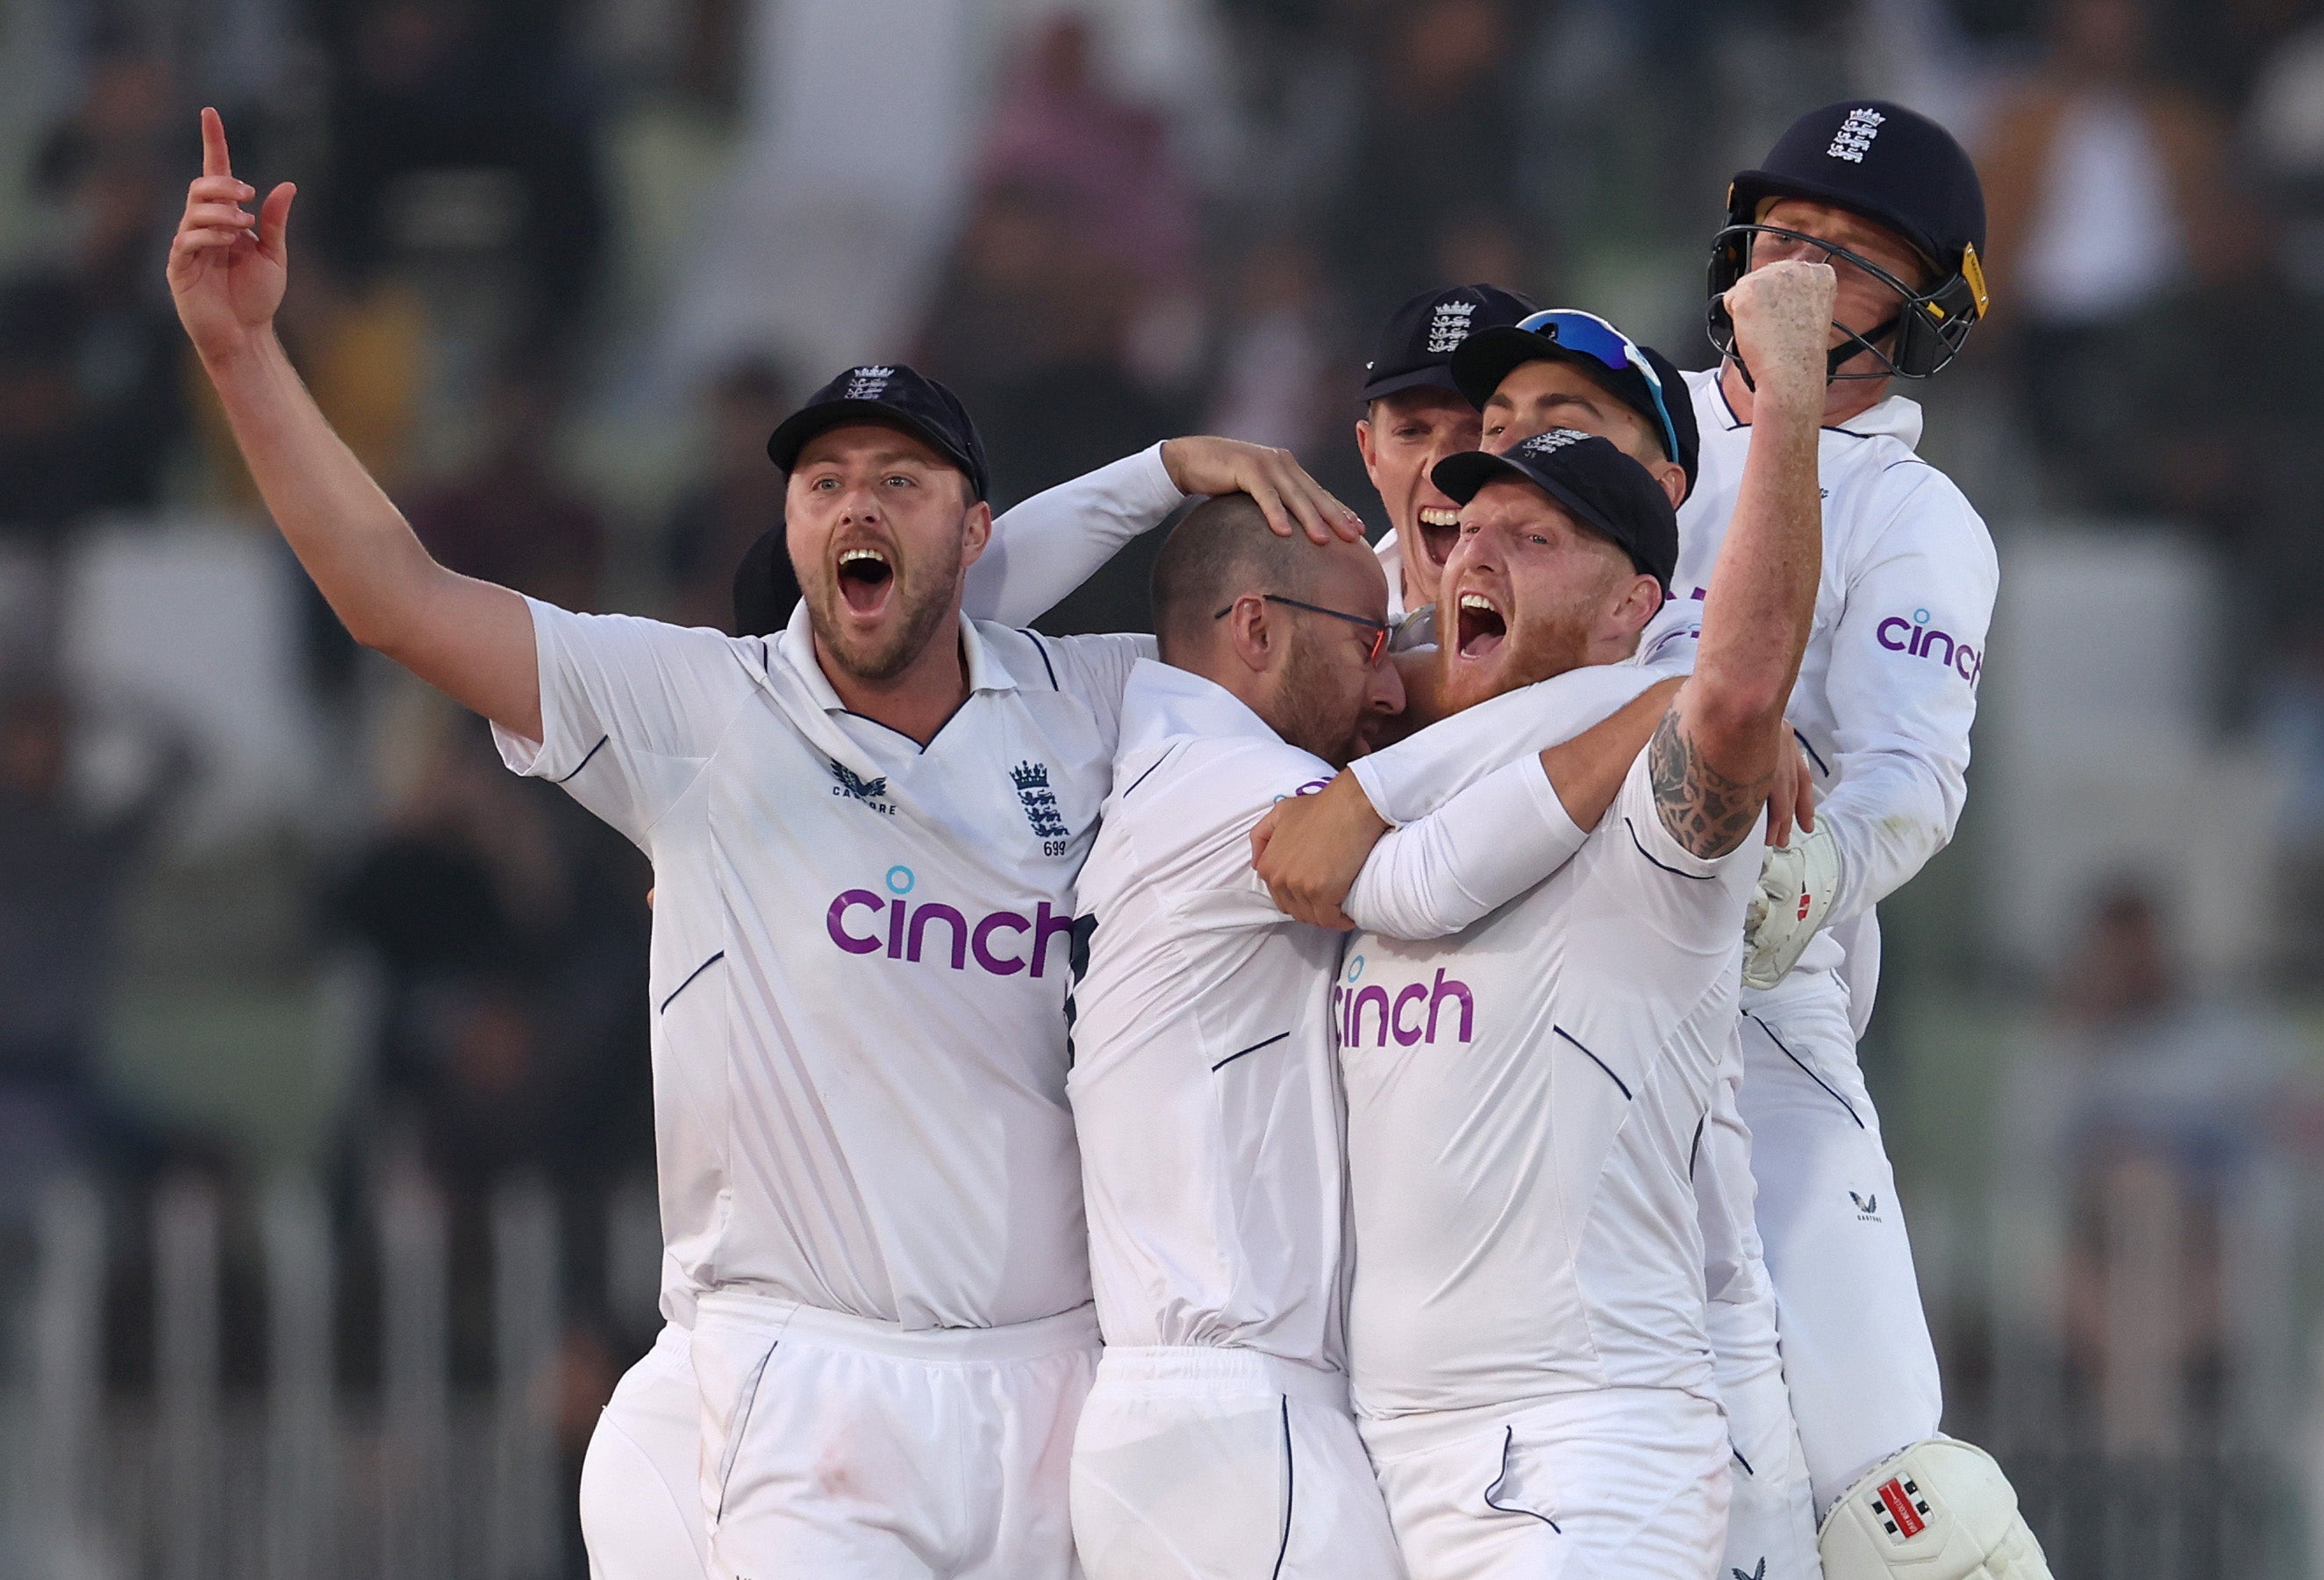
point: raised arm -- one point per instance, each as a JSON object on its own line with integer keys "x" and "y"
{"x": 1044, "y": 548}
{"x": 1714, "y": 755}
{"x": 468, "y": 638}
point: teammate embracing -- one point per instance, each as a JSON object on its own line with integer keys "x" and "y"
{"x": 1527, "y": 1336}
{"x": 1883, "y": 708}
{"x": 1882, "y": 711}
{"x": 864, "y": 832}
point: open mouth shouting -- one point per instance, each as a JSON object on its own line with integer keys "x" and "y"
{"x": 1480, "y": 625}
{"x": 866, "y": 579}
{"x": 1439, "y": 529}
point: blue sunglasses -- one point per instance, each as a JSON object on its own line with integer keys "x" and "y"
{"x": 1595, "y": 339}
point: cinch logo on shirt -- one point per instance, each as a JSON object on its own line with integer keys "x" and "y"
{"x": 904, "y": 929}
{"x": 1400, "y": 1017}
{"x": 1917, "y": 637}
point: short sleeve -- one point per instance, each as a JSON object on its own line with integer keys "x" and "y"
{"x": 1093, "y": 670}
{"x": 1690, "y": 900}
{"x": 630, "y": 709}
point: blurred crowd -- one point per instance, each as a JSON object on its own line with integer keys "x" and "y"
{"x": 560, "y": 265}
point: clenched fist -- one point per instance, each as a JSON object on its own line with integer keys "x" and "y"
{"x": 1783, "y": 328}
{"x": 227, "y": 266}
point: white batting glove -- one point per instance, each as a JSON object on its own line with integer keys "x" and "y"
{"x": 1797, "y": 883}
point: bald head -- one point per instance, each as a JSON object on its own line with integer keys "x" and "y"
{"x": 1222, "y": 549}
{"x": 1300, "y": 623}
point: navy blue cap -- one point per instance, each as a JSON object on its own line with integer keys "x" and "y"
{"x": 894, "y": 396}
{"x": 1491, "y": 355}
{"x": 1599, "y": 485}
{"x": 1894, "y": 166}
{"x": 1415, "y": 350}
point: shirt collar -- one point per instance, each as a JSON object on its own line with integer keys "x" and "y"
{"x": 1162, "y": 701}
{"x": 1897, "y": 417}
{"x": 796, "y": 645}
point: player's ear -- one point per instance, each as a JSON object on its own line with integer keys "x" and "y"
{"x": 975, "y": 532}
{"x": 1641, "y": 601}
{"x": 1248, "y": 633}
{"x": 1364, "y": 447}
{"x": 1673, "y": 477}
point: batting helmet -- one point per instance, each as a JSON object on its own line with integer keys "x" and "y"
{"x": 1899, "y": 169}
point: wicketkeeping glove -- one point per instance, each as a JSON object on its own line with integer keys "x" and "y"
{"x": 1797, "y": 882}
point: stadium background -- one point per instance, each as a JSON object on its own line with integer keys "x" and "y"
{"x": 325, "y": 1170}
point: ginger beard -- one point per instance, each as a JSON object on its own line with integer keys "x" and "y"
{"x": 1528, "y": 594}
{"x": 876, "y": 530}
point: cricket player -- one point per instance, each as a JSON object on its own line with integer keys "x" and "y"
{"x": 1563, "y": 368}
{"x": 1218, "y": 1440}
{"x": 1528, "y": 1338}
{"x": 1415, "y": 415}
{"x": 1883, "y": 708}
{"x": 1882, "y": 713}
{"x": 1443, "y": 357}
{"x": 864, "y": 832}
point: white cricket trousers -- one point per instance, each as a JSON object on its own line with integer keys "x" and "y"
{"x": 1771, "y": 1528}
{"x": 1622, "y": 1483}
{"x": 1213, "y": 1463}
{"x": 640, "y": 1509}
{"x": 1857, "y": 1354}
{"x": 843, "y": 1448}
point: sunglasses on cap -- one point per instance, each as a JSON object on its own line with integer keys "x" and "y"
{"x": 1380, "y": 631}
{"x": 1593, "y": 338}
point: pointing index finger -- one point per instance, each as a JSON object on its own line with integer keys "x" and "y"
{"x": 214, "y": 161}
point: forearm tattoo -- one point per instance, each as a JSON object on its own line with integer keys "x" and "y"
{"x": 1705, "y": 810}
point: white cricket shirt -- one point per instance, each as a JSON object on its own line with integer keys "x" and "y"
{"x": 860, "y": 957}
{"x": 1524, "y": 1103}
{"x": 1203, "y": 1085}
{"x": 1887, "y": 689}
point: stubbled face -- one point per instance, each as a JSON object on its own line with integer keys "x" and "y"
{"x": 1402, "y": 439}
{"x": 1328, "y": 697}
{"x": 1528, "y": 593}
{"x": 1863, "y": 302}
{"x": 880, "y": 533}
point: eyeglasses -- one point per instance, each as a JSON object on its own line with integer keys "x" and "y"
{"x": 1380, "y": 631}
{"x": 1595, "y": 339}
